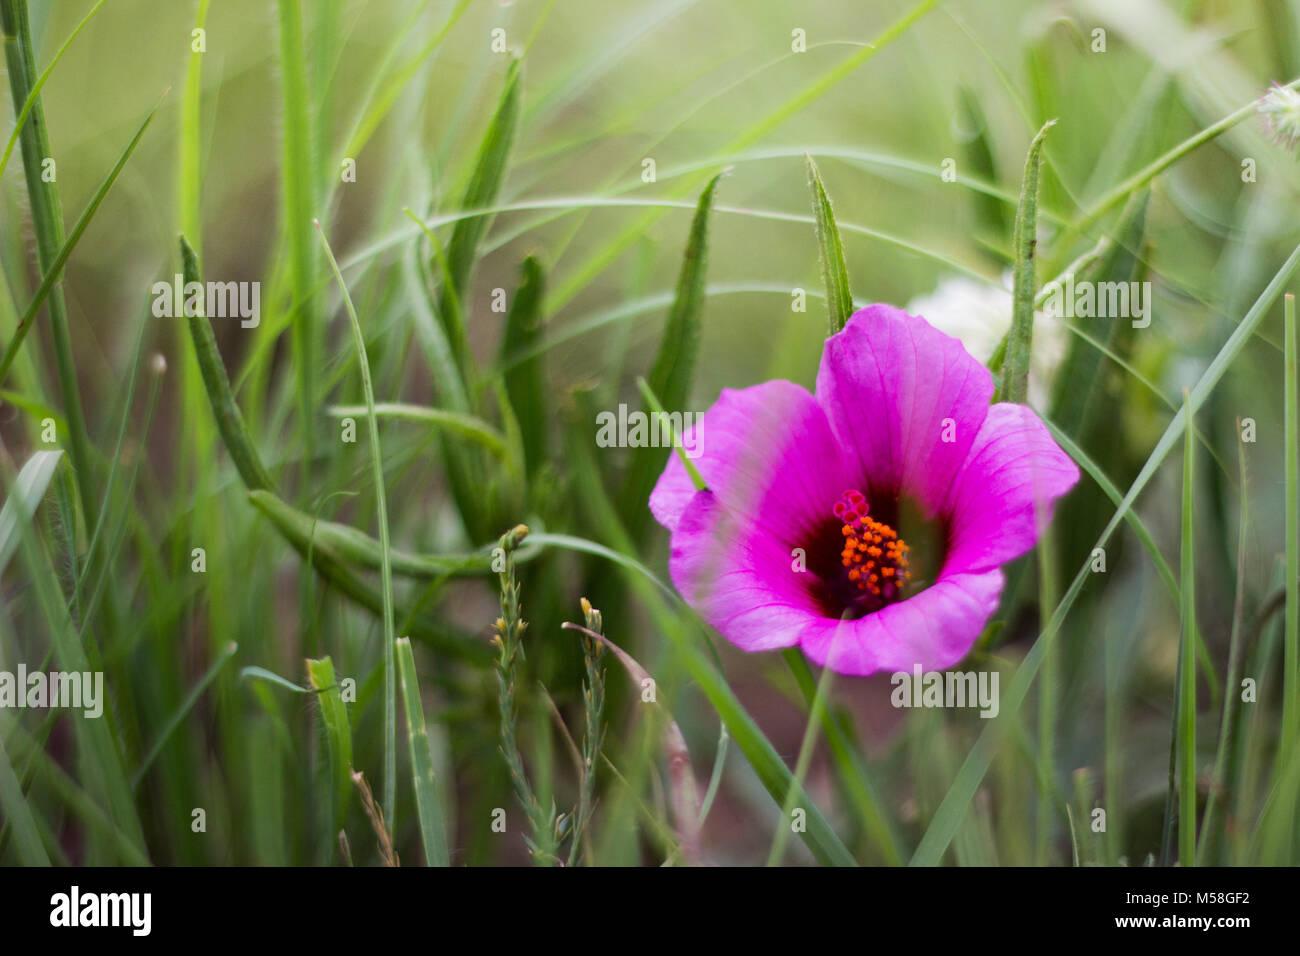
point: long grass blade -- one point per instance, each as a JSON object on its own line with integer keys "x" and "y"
{"x": 385, "y": 568}
{"x": 674, "y": 366}
{"x": 1015, "y": 378}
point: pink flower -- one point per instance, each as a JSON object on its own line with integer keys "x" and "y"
{"x": 867, "y": 523}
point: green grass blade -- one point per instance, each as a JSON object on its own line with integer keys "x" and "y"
{"x": 1094, "y": 471}
{"x": 1015, "y": 379}
{"x": 835, "y": 274}
{"x": 173, "y": 722}
{"x": 75, "y": 798}
{"x": 481, "y": 193}
{"x": 53, "y": 270}
{"x": 340, "y": 576}
{"x": 657, "y": 407}
{"x": 674, "y": 366}
{"x": 1223, "y": 787}
{"x": 35, "y": 91}
{"x": 610, "y": 251}
{"x": 1146, "y": 174}
{"x": 338, "y": 735}
{"x": 230, "y": 422}
{"x": 466, "y": 426}
{"x": 17, "y": 811}
{"x": 21, "y": 504}
{"x": 1187, "y": 659}
{"x": 262, "y": 674}
{"x": 1291, "y": 624}
{"x": 344, "y": 543}
{"x": 297, "y": 174}
{"x": 47, "y": 224}
{"x": 816, "y": 714}
{"x": 385, "y": 569}
{"x": 526, "y": 381}
{"x": 851, "y": 763}
{"x": 428, "y": 804}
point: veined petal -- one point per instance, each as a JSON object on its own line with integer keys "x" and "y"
{"x": 1005, "y": 491}
{"x": 905, "y": 402}
{"x": 935, "y": 629}
{"x": 744, "y": 585}
{"x": 771, "y": 440}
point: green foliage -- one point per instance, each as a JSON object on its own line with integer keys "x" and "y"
{"x": 508, "y": 269}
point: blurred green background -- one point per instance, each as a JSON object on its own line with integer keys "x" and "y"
{"x": 884, "y": 94}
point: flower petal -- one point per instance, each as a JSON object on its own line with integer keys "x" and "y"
{"x": 1005, "y": 491}
{"x": 935, "y": 629}
{"x": 904, "y": 400}
{"x": 744, "y": 586}
{"x": 753, "y": 440}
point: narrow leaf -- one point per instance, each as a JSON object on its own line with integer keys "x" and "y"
{"x": 1015, "y": 380}
{"x": 428, "y": 806}
{"x": 674, "y": 367}
{"x": 230, "y": 423}
{"x": 338, "y": 735}
{"x": 835, "y": 274}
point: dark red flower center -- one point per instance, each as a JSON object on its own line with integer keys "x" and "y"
{"x": 874, "y": 557}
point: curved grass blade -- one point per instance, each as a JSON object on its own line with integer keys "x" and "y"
{"x": 467, "y": 426}
{"x": 230, "y": 422}
{"x": 385, "y": 568}
{"x": 610, "y": 251}
{"x": 330, "y": 566}
{"x": 28, "y": 490}
{"x": 830, "y": 249}
{"x": 261, "y": 673}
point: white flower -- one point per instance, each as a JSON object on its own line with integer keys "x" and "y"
{"x": 980, "y": 314}
{"x": 1280, "y": 108}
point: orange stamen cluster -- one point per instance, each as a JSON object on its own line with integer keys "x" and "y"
{"x": 874, "y": 554}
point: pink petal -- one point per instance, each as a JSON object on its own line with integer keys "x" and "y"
{"x": 935, "y": 629}
{"x": 905, "y": 401}
{"x": 743, "y": 585}
{"x": 755, "y": 440}
{"x": 1004, "y": 493}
